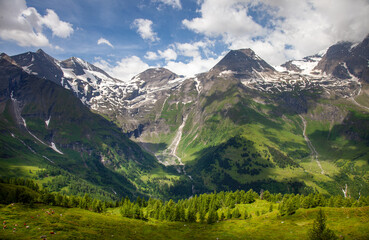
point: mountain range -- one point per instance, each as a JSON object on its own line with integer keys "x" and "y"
{"x": 299, "y": 127}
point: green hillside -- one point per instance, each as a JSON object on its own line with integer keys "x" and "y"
{"x": 92, "y": 154}
{"x": 234, "y": 137}
{"x": 73, "y": 223}
{"x": 28, "y": 212}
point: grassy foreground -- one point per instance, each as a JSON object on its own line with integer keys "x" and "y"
{"x": 73, "y": 223}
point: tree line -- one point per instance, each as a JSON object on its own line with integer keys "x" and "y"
{"x": 20, "y": 190}
{"x": 203, "y": 208}
{"x": 215, "y": 207}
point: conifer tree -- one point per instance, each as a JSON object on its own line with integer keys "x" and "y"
{"x": 139, "y": 201}
{"x": 305, "y": 202}
{"x": 288, "y": 206}
{"x": 320, "y": 230}
{"x": 86, "y": 201}
{"x": 191, "y": 215}
{"x": 212, "y": 217}
{"x": 245, "y": 214}
{"x": 222, "y": 216}
{"x": 229, "y": 214}
{"x": 94, "y": 205}
{"x": 73, "y": 201}
{"x": 136, "y": 211}
{"x": 236, "y": 213}
{"x": 156, "y": 213}
{"x": 266, "y": 195}
{"x": 182, "y": 213}
{"x": 162, "y": 214}
{"x": 141, "y": 215}
{"x": 176, "y": 214}
{"x": 65, "y": 201}
{"x": 318, "y": 200}
{"x": 98, "y": 206}
{"x": 143, "y": 202}
{"x": 58, "y": 199}
{"x": 125, "y": 210}
{"x": 48, "y": 198}
{"x": 338, "y": 201}
{"x": 202, "y": 216}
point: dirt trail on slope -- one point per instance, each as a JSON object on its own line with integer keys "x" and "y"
{"x": 310, "y": 145}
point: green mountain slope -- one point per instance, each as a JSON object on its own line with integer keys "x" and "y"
{"x": 234, "y": 137}
{"x": 47, "y": 133}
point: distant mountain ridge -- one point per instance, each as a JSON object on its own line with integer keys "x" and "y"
{"x": 243, "y": 124}
{"x": 121, "y": 100}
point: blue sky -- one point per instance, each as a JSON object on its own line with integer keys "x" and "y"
{"x": 124, "y": 37}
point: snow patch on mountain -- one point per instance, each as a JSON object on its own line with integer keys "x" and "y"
{"x": 48, "y": 159}
{"x": 306, "y": 66}
{"x": 55, "y": 148}
{"x": 289, "y": 81}
{"x": 23, "y": 122}
{"x": 47, "y": 122}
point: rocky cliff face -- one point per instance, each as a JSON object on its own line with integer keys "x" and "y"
{"x": 344, "y": 60}
{"x": 41, "y": 64}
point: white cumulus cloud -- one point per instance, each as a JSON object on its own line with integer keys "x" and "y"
{"x": 198, "y": 57}
{"x": 24, "y": 25}
{"x": 279, "y": 30}
{"x": 124, "y": 69}
{"x": 59, "y": 28}
{"x": 168, "y": 54}
{"x": 104, "y": 41}
{"x": 191, "y": 50}
{"x": 194, "y": 49}
{"x": 151, "y": 56}
{"x": 194, "y": 66}
{"x": 144, "y": 28}
{"x": 172, "y": 3}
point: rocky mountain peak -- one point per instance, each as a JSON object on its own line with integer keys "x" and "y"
{"x": 361, "y": 49}
{"x": 243, "y": 63}
{"x": 156, "y": 76}
{"x": 5, "y": 57}
{"x": 248, "y": 52}
{"x": 41, "y": 64}
{"x": 75, "y": 64}
{"x": 73, "y": 61}
{"x": 40, "y": 51}
{"x": 79, "y": 66}
{"x": 345, "y": 59}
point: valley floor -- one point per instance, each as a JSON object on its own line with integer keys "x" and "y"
{"x": 72, "y": 223}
